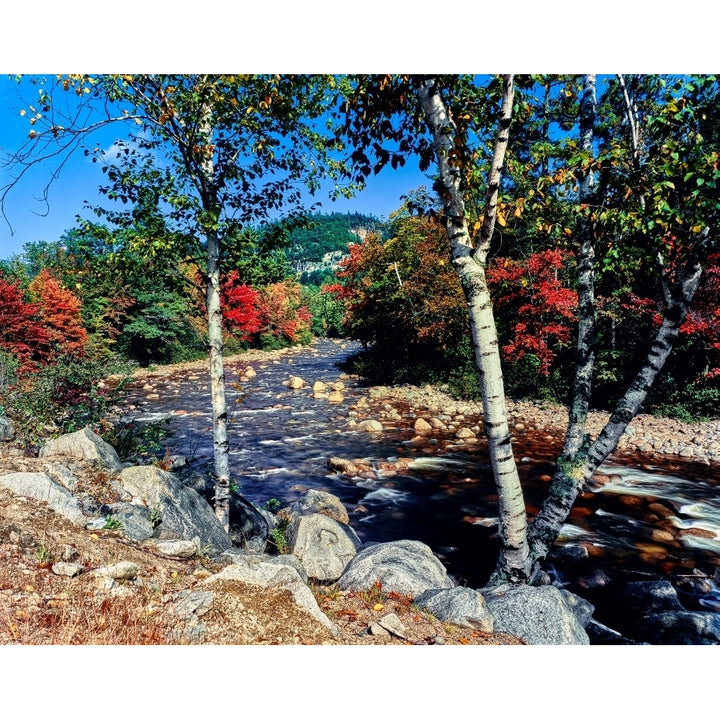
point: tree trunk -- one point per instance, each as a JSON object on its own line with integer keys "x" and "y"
{"x": 217, "y": 383}
{"x": 215, "y": 321}
{"x": 574, "y": 472}
{"x": 513, "y": 564}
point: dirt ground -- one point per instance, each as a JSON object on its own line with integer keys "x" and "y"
{"x": 40, "y": 607}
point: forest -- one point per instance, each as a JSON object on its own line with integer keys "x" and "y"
{"x": 574, "y": 216}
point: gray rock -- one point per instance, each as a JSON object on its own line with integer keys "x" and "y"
{"x": 679, "y": 628}
{"x": 84, "y": 445}
{"x": 243, "y": 557}
{"x": 393, "y": 625}
{"x": 7, "y": 432}
{"x": 319, "y": 501}
{"x": 647, "y": 597}
{"x": 123, "y": 570}
{"x": 135, "y": 522}
{"x": 269, "y": 575}
{"x": 407, "y": 567}
{"x": 323, "y": 545}
{"x": 67, "y": 569}
{"x": 538, "y": 615}
{"x": 582, "y": 608}
{"x": 63, "y": 475}
{"x": 459, "y": 605}
{"x": 40, "y": 486}
{"x": 179, "y": 548}
{"x": 192, "y": 602}
{"x": 181, "y": 510}
{"x": 249, "y": 523}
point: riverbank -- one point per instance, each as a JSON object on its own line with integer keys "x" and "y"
{"x": 648, "y": 435}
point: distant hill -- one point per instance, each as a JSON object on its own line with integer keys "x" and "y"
{"x": 315, "y": 251}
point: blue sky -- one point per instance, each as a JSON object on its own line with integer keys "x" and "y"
{"x": 30, "y": 219}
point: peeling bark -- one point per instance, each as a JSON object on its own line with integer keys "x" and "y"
{"x": 469, "y": 262}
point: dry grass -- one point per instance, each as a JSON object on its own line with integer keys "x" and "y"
{"x": 40, "y": 607}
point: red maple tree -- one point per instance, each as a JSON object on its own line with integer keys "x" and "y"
{"x": 59, "y": 314}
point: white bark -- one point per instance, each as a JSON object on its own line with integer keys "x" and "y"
{"x": 513, "y": 564}
{"x": 215, "y": 335}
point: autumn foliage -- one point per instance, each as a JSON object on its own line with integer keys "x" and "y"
{"x": 59, "y": 315}
{"x": 270, "y": 315}
{"x": 22, "y": 333}
{"x": 530, "y": 291}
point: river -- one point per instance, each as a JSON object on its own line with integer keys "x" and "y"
{"x": 643, "y": 521}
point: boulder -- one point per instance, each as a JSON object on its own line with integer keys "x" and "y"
{"x": 459, "y": 605}
{"x": 407, "y": 567}
{"x": 248, "y": 523}
{"x": 179, "y": 509}
{"x": 271, "y": 575}
{"x": 319, "y": 501}
{"x": 322, "y": 544}
{"x": 679, "y": 628}
{"x": 84, "y": 445}
{"x": 646, "y": 597}
{"x": 41, "y": 486}
{"x": 538, "y": 615}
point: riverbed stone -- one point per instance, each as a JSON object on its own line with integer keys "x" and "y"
{"x": 538, "y": 615}
{"x": 84, "y": 445}
{"x": 323, "y": 545}
{"x": 646, "y": 597}
{"x": 679, "y": 628}
{"x": 372, "y": 426}
{"x": 325, "y": 503}
{"x": 459, "y": 605}
{"x": 407, "y": 567}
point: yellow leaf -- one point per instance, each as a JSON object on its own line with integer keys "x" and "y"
{"x": 378, "y": 607}
{"x": 501, "y": 219}
{"x": 94, "y": 537}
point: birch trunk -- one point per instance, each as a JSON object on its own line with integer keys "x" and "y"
{"x": 513, "y": 564}
{"x": 573, "y": 473}
{"x": 215, "y": 323}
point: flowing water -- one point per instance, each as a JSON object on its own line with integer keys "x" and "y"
{"x": 641, "y": 522}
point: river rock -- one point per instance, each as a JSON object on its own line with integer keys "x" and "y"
{"x": 180, "y": 509}
{"x": 85, "y": 445}
{"x": 407, "y": 567}
{"x": 319, "y": 501}
{"x": 370, "y": 426}
{"x": 459, "y": 605}
{"x": 538, "y": 615}
{"x": 422, "y": 426}
{"x": 41, "y": 486}
{"x": 250, "y": 524}
{"x": 295, "y": 383}
{"x": 323, "y": 545}
{"x": 346, "y": 467}
{"x": 335, "y": 397}
{"x": 679, "y": 628}
{"x": 647, "y": 597}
